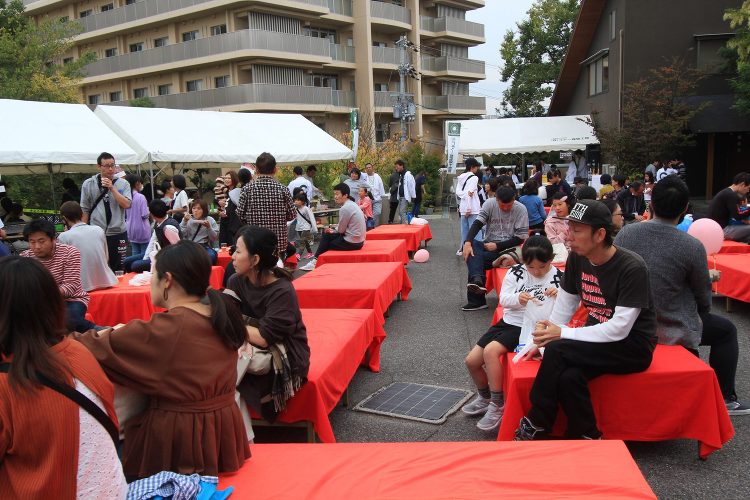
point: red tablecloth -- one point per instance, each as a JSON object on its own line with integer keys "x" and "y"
{"x": 735, "y": 275}
{"x": 471, "y": 470}
{"x": 223, "y": 258}
{"x": 678, "y": 397}
{"x": 413, "y": 234}
{"x": 372, "y": 251}
{"x": 734, "y": 247}
{"x": 124, "y": 302}
{"x": 338, "y": 340}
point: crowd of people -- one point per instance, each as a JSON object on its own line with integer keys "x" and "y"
{"x": 87, "y": 408}
{"x": 613, "y": 242}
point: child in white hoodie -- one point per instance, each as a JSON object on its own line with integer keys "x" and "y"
{"x": 306, "y": 224}
{"x": 537, "y": 281}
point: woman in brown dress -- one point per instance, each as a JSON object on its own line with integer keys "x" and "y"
{"x": 185, "y": 361}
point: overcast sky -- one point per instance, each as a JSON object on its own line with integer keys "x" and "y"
{"x": 498, "y": 16}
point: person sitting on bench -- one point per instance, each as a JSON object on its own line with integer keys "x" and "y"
{"x": 351, "y": 229}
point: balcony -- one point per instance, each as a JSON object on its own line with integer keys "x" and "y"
{"x": 387, "y": 13}
{"x": 258, "y": 96}
{"x": 448, "y": 65}
{"x": 167, "y": 9}
{"x": 342, "y": 53}
{"x": 385, "y": 55}
{"x": 242, "y": 43}
{"x": 387, "y": 99}
{"x": 451, "y": 27}
{"x": 454, "y": 104}
{"x": 340, "y": 7}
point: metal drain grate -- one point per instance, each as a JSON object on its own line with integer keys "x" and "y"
{"x": 425, "y": 403}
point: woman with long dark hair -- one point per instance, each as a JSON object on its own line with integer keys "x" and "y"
{"x": 50, "y": 447}
{"x": 185, "y": 361}
{"x": 274, "y": 320}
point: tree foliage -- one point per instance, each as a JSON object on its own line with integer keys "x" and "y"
{"x": 142, "y": 102}
{"x": 27, "y": 54}
{"x": 656, "y": 117}
{"x": 738, "y": 55}
{"x": 533, "y": 54}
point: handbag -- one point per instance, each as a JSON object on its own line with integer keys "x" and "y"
{"x": 253, "y": 360}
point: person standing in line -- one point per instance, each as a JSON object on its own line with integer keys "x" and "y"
{"x": 310, "y": 176}
{"x": 572, "y": 173}
{"x": 180, "y": 201}
{"x": 393, "y": 182}
{"x": 265, "y": 202}
{"x": 469, "y": 204}
{"x": 377, "y": 190}
{"x": 104, "y": 200}
{"x": 139, "y": 226}
{"x": 420, "y": 181}
{"x": 300, "y": 182}
{"x": 406, "y": 190}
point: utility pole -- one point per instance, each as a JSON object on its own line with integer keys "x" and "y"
{"x": 403, "y": 109}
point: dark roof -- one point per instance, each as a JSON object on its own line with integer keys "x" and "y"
{"x": 580, "y": 42}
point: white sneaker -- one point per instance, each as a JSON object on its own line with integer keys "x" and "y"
{"x": 310, "y": 266}
{"x": 476, "y": 407}
{"x": 460, "y": 252}
{"x": 491, "y": 418}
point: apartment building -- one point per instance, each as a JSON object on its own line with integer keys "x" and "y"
{"x": 316, "y": 57}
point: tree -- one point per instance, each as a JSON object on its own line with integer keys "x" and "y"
{"x": 737, "y": 55}
{"x": 533, "y": 55}
{"x": 27, "y": 54}
{"x": 656, "y": 115}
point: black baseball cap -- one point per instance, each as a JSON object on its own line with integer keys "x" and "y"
{"x": 591, "y": 213}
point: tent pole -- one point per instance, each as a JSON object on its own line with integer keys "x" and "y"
{"x": 151, "y": 169}
{"x": 51, "y": 184}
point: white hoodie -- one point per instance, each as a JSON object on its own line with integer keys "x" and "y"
{"x": 467, "y": 183}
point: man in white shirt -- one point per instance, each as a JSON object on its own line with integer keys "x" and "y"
{"x": 300, "y": 182}
{"x": 91, "y": 244}
{"x": 166, "y": 232}
{"x": 377, "y": 189}
{"x": 620, "y": 332}
{"x": 405, "y": 191}
{"x": 467, "y": 187}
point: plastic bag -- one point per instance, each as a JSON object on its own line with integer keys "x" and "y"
{"x": 537, "y": 309}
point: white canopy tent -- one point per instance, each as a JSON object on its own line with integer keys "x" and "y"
{"x": 172, "y": 135}
{"x": 525, "y": 135}
{"x": 45, "y": 137}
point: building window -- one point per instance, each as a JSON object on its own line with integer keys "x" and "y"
{"x": 221, "y": 81}
{"x": 194, "y": 85}
{"x": 115, "y": 96}
{"x": 84, "y": 13}
{"x": 129, "y": 2}
{"x": 612, "y": 25}
{"x": 381, "y": 87}
{"x": 189, "y": 35}
{"x": 161, "y": 42}
{"x": 381, "y": 132}
{"x": 67, "y": 60}
{"x": 321, "y": 33}
{"x": 350, "y": 42}
{"x": 709, "y": 58}
{"x": 94, "y": 99}
{"x": 599, "y": 76}
{"x": 110, "y": 52}
{"x": 330, "y": 81}
{"x": 379, "y": 44}
{"x": 218, "y": 30}
{"x": 107, "y": 7}
{"x": 140, "y": 93}
{"x": 165, "y": 89}
{"x": 136, "y": 47}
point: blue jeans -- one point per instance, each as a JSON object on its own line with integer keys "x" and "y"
{"x": 138, "y": 248}
{"x": 477, "y": 264}
{"x": 211, "y": 255}
{"x": 466, "y": 223}
{"x": 75, "y": 317}
{"x": 415, "y": 209}
{"x": 137, "y": 264}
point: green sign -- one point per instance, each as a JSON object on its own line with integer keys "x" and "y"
{"x": 354, "y": 119}
{"x": 454, "y": 128}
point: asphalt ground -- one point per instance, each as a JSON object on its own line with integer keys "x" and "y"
{"x": 428, "y": 337}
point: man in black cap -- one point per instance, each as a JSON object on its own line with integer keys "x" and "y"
{"x": 620, "y": 332}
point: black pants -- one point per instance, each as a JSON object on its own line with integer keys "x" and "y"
{"x": 392, "y": 211}
{"x": 117, "y": 250}
{"x": 563, "y": 378}
{"x": 335, "y": 241}
{"x": 721, "y": 335}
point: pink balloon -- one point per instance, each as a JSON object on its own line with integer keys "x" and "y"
{"x": 708, "y": 232}
{"x": 421, "y": 256}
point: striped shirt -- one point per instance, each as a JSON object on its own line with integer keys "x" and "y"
{"x": 65, "y": 267}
